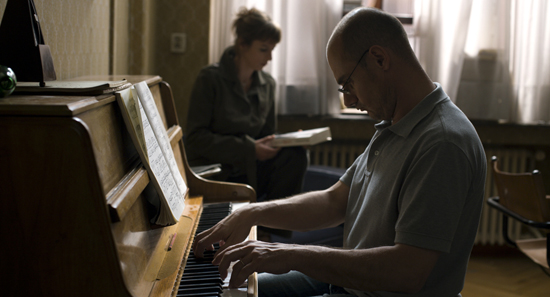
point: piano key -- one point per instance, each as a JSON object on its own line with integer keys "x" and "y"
{"x": 197, "y": 286}
{"x": 197, "y": 290}
{"x": 201, "y": 274}
{"x": 210, "y": 268}
{"x": 207, "y": 294}
{"x": 201, "y": 278}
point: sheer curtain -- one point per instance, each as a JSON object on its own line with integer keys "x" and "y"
{"x": 305, "y": 82}
{"x": 530, "y": 60}
{"x": 491, "y": 56}
{"x": 440, "y": 29}
{"x": 485, "y": 89}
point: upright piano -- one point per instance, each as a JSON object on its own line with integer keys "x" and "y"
{"x": 76, "y": 202}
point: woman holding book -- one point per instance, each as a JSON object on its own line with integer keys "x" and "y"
{"x": 231, "y": 118}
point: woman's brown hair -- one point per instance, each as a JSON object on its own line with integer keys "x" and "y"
{"x": 252, "y": 24}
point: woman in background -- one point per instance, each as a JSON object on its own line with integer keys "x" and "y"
{"x": 231, "y": 117}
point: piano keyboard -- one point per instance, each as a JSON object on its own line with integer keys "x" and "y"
{"x": 200, "y": 278}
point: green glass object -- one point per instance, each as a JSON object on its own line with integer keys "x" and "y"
{"x": 7, "y": 81}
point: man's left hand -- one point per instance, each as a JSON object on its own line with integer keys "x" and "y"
{"x": 254, "y": 256}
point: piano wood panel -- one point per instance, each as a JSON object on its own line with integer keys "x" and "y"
{"x": 65, "y": 159}
{"x": 113, "y": 148}
{"x": 54, "y": 213}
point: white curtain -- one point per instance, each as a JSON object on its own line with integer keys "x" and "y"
{"x": 491, "y": 56}
{"x": 485, "y": 89}
{"x": 530, "y": 60}
{"x": 305, "y": 83}
{"x": 440, "y": 29}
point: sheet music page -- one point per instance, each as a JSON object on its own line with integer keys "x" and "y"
{"x": 146, "y": 98}
{"x": 160, "y": 168}
{"x": 134, "y": 114}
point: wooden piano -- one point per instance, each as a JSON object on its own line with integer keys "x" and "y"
{"x": 75, "y": 200}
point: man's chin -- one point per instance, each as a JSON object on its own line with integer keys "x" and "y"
{"x": 372, "y": 116}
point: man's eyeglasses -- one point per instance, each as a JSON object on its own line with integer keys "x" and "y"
{"x": 343, "y": 88}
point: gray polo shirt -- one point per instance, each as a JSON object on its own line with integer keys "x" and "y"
{"x": 420, "y": 182}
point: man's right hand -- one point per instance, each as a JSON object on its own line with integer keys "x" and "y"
{"x": 233, "y": 229}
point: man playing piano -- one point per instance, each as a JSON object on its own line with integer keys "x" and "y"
{"x": 410, "y": 203}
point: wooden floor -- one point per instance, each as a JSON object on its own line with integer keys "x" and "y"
{"x": 504, "y": 272}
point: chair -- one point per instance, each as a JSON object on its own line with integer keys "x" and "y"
{"x": 522, "y": 197}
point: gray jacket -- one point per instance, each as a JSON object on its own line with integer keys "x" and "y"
{"x": 223, "y": 122}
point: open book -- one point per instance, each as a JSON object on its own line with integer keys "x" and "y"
{"x": 147, "y": 131}
{"x": 300, "y": 138}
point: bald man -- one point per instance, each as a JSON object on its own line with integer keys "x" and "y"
{"x": 410, "y": 203}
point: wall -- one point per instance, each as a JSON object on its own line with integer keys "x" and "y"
{"x": 180, "y": 70}
{"x": 77, "y": 33}
{"x": 101, "y": 37}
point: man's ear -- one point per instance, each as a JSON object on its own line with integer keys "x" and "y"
{"x": 381, "y": 56}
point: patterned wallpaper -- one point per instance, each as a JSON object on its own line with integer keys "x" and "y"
{"x": 77, "y": 34}
{"x": 83, "y": 42}
{"x": 179, "y": 70}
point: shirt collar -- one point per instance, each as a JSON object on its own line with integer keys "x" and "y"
{"x": 404, "y": 127}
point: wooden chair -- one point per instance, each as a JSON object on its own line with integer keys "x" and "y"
{"x": 522, "y": 197}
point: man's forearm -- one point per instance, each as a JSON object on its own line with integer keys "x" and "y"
{"x": 397, "y": 268}
{"x": 308, "y": 211}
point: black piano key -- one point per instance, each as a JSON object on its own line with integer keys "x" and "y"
{"x": 215, "y": 214}
{"x": 195, "y": 270}
{"x": 201, "y": 280}
{"x": 195, "y": 286}
{"x": 207, "y": 294}
{"x": 207, "y": 259}
{"x": 199, "y": 262}
{"x": 207, "y": 256}
{"x": 211, "y": 221}
{"x": 201, "y": 274}
{"x": 198, "y": 265}
{"x": 217, "y": 205}
{"x": 196, "y": 290}
{"x": 195, "y": 294}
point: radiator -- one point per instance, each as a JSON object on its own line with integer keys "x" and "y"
{"x": 341, "y": 155}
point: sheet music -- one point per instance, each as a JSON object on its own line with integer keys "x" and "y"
{"x": 160, "y": 168}
{"x": 135, "y": 116}
{"x": 148, "y": 102}
{"x": 152, "y": 156}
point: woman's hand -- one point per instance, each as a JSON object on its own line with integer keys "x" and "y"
{"x": 263, "y": 150}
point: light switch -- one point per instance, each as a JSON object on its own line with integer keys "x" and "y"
{"x": 178, "y": 43}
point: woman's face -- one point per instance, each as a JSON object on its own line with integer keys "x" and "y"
{"x": 257, "y": 54}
